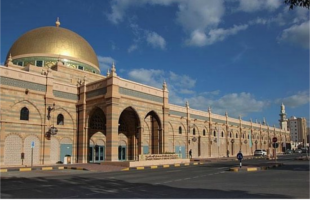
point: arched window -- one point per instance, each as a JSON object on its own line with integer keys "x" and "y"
{"x": 214, "y": 133}
{"x": 60, "y": 119}
{"x": 204, "y": 132}
{"x": 230, "y": 134}
{"x": 243, "y": 136}
{"x": 97, "y": 121}
{"x": 236, "y": 135}
{"x": 194, "y": 131}
{"x": 222, "y": 134}
{"x": 180, "y": 130}
{"x": 248, "y": 136}
{"x": 24, "y": 114}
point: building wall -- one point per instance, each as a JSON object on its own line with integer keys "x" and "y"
{"x": 153, "y": 124}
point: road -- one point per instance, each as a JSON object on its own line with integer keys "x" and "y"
{"x": 211, "y": 180}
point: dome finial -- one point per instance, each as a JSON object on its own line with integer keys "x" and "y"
{"x": 57, "y": 22}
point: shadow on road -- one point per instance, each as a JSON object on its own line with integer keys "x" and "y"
{"x": 81, "y": 187}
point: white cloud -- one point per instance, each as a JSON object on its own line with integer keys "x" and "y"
{"x": 150, "y": 77}
{"x": 200, "y": 14}
{"x": 296, "y": 100}
{"x": 132, "y": 48}
{"x": 235, "y": 104}
{"x": 199, "y": 38}
{"x": 257, "y": 5}
{"x": 182, "y": 81}
{"x": 155, "y": 40}
{"x": 296, "y": 35}
{"x": 105, "y": 63}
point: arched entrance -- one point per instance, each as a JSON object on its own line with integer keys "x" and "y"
{"x": 129, "y": 130}
{"x": 96, "y": 136}
{"x": 156, "y": 136}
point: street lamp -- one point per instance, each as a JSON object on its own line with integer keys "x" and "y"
{"x": 232, "y": 146}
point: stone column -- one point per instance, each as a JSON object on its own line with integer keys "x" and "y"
{"x": 112, "y": 99}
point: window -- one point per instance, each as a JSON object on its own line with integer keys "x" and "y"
{"x": 194, "y": 131}
{"x": 24, "y": 114}
{"x": 214, "y": 133}
{"x": 39, "y": 63}
{"x": 60, "y": 119}
{"x": 243, "y": 136}
{"x": 20, "y": 63}
{"x": 180, "y": 130}
{"x": 248, "y": 136}
{"x": 236, "y": 135}
{"x": 80, "y": 67}
{"x": 204, "y": 132}
{"x": 230, "y": 134}
{"x": 222, "y": 134}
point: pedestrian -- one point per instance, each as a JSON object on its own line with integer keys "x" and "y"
{"x": 227, "y": 153}
{"x": 190, "y": 153}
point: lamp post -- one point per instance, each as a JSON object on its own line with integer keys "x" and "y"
{"x": 232, "y": 146}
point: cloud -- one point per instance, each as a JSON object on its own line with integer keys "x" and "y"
{"x": 200, "y": 14}
{"x": 258, "y": 5}
{"x": 150, "y": 77}
{"x": 155, "y": 40}
{"x": 199, "y": 38}
{"x": 182, "y": 81}
{"x": 235, "y": 104}
{"x": 297, "y": 35}
{"x": 296, "y": 100}
{"x": 132, "y": 48}
{"x": 180, "y": 91}
{"x": 105, "y": 63}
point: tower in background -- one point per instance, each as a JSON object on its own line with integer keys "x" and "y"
{"x": 283, "y": 119}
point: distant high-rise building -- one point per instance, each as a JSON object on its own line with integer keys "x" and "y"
{"x": 298, "y": 130}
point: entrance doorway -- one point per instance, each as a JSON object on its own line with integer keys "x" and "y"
{"x": 122, "y": 153}
{"x": 96, "y": 153}
{"x": 65, "y": 149}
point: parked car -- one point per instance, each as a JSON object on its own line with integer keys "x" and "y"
{"x": 298, "y": 151}
{"x": 288, "y": 151}
{"x": 260, "y": 152}
{"x": 304, "y": 150}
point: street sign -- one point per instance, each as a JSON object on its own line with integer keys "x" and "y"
{"x": 274, "y": 139}
{"x": 275, "y": 145}
{"x": 239, "y": 156}
{"x": 32, "y": 144}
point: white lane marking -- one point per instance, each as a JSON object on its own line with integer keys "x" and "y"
{"x": 174, "y": 171}
{"x": 222, "y": 168}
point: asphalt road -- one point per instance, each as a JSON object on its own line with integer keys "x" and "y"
{"x": 211, "y": 180}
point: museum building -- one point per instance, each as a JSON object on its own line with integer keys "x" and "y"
{"x": 56, "y": 103}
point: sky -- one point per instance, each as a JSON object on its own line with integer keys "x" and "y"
{"x": 243, "y": 57}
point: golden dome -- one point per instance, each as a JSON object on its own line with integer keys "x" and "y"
{"x": 56, "y": 42}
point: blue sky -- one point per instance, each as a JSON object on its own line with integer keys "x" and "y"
{"x": 245, "y": 57}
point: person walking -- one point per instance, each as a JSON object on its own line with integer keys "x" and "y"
{"x": 190, "y": 153}
{"x": 227, "y": 153}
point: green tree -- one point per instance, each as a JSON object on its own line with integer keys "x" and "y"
{"x": 298, "y": 3}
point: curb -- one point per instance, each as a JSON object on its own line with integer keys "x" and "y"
{"x": 162, "y": 166}
{"x": 46, "y": 168}
{"x": 251, "y": 169}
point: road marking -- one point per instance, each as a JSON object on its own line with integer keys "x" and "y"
{"x": 165, "y": 166}
{"x": 222, "y": 168}
{"x": 174, "y": 171}
{"x": 3, "y": 170}
{"x": 154, "y": 167}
